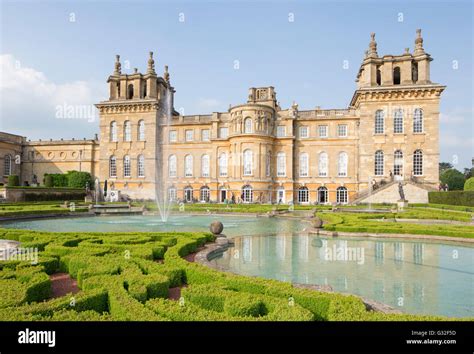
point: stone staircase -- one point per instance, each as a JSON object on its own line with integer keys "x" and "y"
{"x": 388, "y": 193}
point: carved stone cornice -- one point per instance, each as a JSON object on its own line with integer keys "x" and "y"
{"x": 381, "y": 94}
{"x": 127, "y": 107}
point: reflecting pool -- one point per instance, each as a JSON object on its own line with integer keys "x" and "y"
{"x": 411, "y": 276}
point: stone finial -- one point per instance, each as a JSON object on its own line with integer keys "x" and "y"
{"x": 135, "y": 70}
{"x": 419, "y": 43}
{"x": 407, "y": 50}
{"x": 372, "y": 46}
{"x": 166, "y": 75}
{"x": 118, "y": 66}
{"x": 151, "y": 64}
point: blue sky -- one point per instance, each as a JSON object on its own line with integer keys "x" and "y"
{"x": 48, "y": 59}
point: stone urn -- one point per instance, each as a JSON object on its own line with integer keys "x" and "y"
{"x": 216, "y": 227}
{"x": 316, "y": 222}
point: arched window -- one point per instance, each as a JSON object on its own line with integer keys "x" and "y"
{"x": 127, "y": 131}
{"x": 7, "y": 171}
{"x": 304, "y": 164}
{"x": 303, "y": 195}
{"x": 113, "y": 131}
{"x": 248, "y": 125}
{"x": 323, "y": 164}
{"x": 188, "y": 166}
{"x": 247, "y": 194}
{"x": 112, "y": 167}
{"x": 130, "y": 91}
{"x": 268, "y": 164}
{"x": 379, "y": 76}
{"x": 223, "y": 165}
{"x": 205, "y": 166}
{"x": 396, "y": 76}
{"x": 322, "y": 195}
{"x": 248, "y": 162}
{"x": 418, "y": 121}
{"x": 341, "y": 195}
{"x": 172, "y": 194}
{"x": 398, "y": 163}
{"x": 281, "y": 164}
{"x": 141, "y": 166}
{"x": 172, "y": 166}
{"x": 398, "y": 121}
{"x": 141, "y": 130}
{"x": 342, "y": 164}
{"x": 126, "y": 166}
{"x": 204, "y": 194}
{"x": 418, "y": 163}
{"x": 188, "y": 194}
{"x": 378, "y": 169}
{"x": 379, "y": 122}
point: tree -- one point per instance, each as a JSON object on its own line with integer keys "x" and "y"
{"x": 469, "y": 184}
{"x": 443, "y": 166}
{"x": 78, "y": 179}
{"x": 468, "y": 173}
{"x": 453, "y": 178}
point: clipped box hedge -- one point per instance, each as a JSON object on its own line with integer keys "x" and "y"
{"x": 465, "y": 198}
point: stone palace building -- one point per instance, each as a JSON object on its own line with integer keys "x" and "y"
{"x": 257, "y": 151}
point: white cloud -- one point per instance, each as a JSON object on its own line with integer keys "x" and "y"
{"x": 30, "y": 101}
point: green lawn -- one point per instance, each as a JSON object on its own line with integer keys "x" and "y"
{"x": 29, "y": 208}
{"x": 120, "y": 280}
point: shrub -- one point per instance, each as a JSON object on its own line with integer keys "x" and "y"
{"x": 13, "y": 181}
{"x": 453, "y": 178}
{"x": 469, "y": 184}
{"x": 48, "y": 181}
{"x": 245, "y": 306}
{"x": 76, "y": 179}
{"x": 465, "y": 198}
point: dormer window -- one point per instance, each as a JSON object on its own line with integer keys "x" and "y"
{"x": 130, "y": 92}
{"x": 396, "y": 76}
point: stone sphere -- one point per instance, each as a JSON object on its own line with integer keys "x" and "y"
{"x": 317, "y": 222}
{"x": 216, "y": 227}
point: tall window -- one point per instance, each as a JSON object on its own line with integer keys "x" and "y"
{"x": 127, "y": 131}
{"x": 342, "y": 164}
{"x": 304, "y": 132}
{"x": 378, "y": 76}
{"x": 398, "y": 163}
{"x": 323, "y": 131}
{"x": 113, "y": 131}
{"x": 303, "y": 195}
{"x": 172, "y": 194}
{"x": 378, "y": 170}
{"x": 281, "y": 131}
{"x": 322, "y": 195}
{"x": 205, "y": 166}
{"x": 398, "y": 121}
{"x": 223, "y": 165}
{"x": 268, "y": 164}
{"x": 342, "y": 130}
{"x": 188, "y": 166}
{"x": 172, "y": 166}
{"x": 130, "y": 92}
{"x": 141, "y": 166}
{"x": 379, "y": 122}
{"x": 141, "y": 130}
{"x": 281, "y": 164}
{"x": 418, "y": 121}
{"x": 418, "y": 163}
{"x": 323, "y": 164}
{"x": 223, "y": 132}
{"x": 396, "y": 76}
{"x": 205, "y": 194}
{"x": 7, "y": 171}
{"x": 112, "y": 166}
{"x": 304, "y": 164}
{"x": 247, "y": 194}
{"x": 248, "y": 162}
{"x": 126, "y": 166}
{"x": 248, "y": 125}
{"x": 341, "y": 195}
{"x": 173, "y": 136}
{"x": 188, "y": 194}
{"x": 189, "y": 135}
{"x": 205, "y": 135}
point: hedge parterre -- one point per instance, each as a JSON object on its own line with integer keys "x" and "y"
{"x": 127, "y": 276}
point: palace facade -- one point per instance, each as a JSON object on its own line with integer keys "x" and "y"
{"x": 257, "y": 151}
